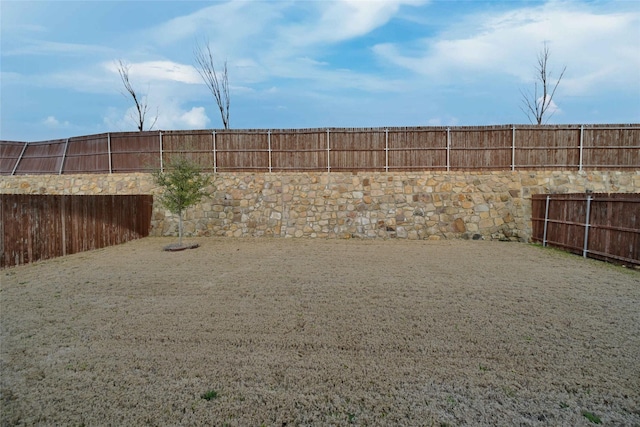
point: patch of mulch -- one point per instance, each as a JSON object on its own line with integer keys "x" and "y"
{"x": 175, "y": 247}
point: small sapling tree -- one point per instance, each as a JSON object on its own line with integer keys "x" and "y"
{"x": 184, "y": 185}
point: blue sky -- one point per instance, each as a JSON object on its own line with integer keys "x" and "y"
{"x": 298, "y": 64}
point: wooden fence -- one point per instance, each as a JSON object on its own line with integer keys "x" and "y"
{"x": 373, "y": 149}
{"x": 602, "y": 226}
{"x": 38, "y": 227}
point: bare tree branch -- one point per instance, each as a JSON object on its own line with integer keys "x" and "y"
{"x": 140, "y": 102}
{"x": 536, "y": 107}
{"x": 218, "y": 84}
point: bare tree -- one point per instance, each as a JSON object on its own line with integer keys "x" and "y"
{"x": 218, "y": 83}
{"x": 537, "y": 105}
{"x": 140, "y": 102}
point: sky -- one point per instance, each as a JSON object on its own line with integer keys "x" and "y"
{"x": 312, "y": 64}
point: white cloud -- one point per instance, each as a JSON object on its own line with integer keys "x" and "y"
{"x": 173, "y": 116}
{"x": 192, "y": 119}
{"x": 550, "y": 106}
{"x": 10, "y": 77}
{"x": 237, "y": 26}
{"x": 115, "y": 120}
{"x": 168, "y": 89}
{"x": 546, "y": 107}
{"x": 52, "y": 122}
{"x": 264, "y": 40}
{"x": 443, "y": 121}
{"x": 168, "y": 114}
{"x": 45, "y": 47}
{"x": 90, "y": 79}
{"x": 343, "y": 20}
{"x": 597, "y": 48}
{"x": 331, "y": 79}
{"x": 158, "y": 70}
{"x": 232, "y": 27}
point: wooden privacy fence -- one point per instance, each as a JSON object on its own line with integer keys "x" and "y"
{"x": 37, "y": 227}
{"x": 600, "y": 225}
{"x": 373, "y": 149}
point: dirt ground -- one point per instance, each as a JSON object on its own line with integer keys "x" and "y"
{"x": 320, "y": 332}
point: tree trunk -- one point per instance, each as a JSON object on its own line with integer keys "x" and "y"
{"x": 180, "y": 228}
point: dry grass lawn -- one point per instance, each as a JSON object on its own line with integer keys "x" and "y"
{"x": 320, "y": 332}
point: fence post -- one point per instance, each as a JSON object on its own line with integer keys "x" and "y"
{"x": 448, "y": 148}
{"x": 328, "y": 150}
{"x": 109, "y": 152}
{"x": 513, "y": 148}
{"x": 213, "y": 141}
{"x": 585, "y": 247}
{"x": 581, "y": 145}
{"x": 161, "y": 152}
{"x": 546, "y": 221}
{"x": 15, "y": 167}
{"x": 386, "y": 150}
{"x": 64, "y": 156}
{"x": 63, "y": 226}
{"x": 269, "y": 142}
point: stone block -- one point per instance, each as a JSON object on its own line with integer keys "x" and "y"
{"x": 459, "y": 226}
{"x": 486, "y": 223}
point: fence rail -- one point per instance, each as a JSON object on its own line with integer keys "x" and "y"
{"x": 600, "y": 225}
{"x": 38, "y": 227}
{"x": 335, "y": 149}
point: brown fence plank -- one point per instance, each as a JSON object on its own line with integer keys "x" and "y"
{"x": 546, "y": 147}
{"x": 611, "y": 148}
{"x": 356, "y": 150}
{"x": 193, "y": 145}
{"x": 9, "y": 154}
{"x": 487, "y": 149}
{"x": 298, "y": 150}
{"x": 135, "y": 151}
{"x": 417, "y": 148}
{"x": 613, "y": 231}
{"x": 38, "y": 227}
{"x": 42, "y": 158}
{"x": 87, "y": 154}
{"x": 240, "y": 150}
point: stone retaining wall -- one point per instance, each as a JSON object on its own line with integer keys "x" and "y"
{"x": 428, "y": 205}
